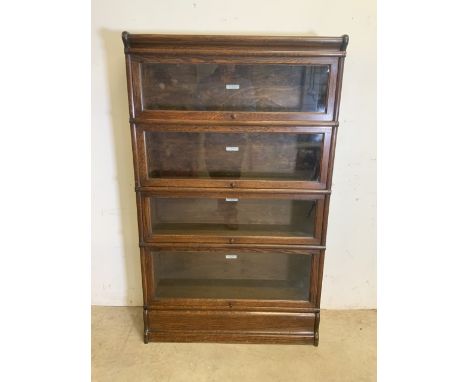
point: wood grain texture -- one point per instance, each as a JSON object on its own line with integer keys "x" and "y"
{"x": 270, "y": 122}
{"x": 243, "y": 327}
{"x": 268, "y": 42}
{"x": 232, "y": 337}
{"x": 181, "y": 114}
{"x": 256, "y": 322}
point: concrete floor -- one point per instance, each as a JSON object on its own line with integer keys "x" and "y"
{"x": 347, "y": 352}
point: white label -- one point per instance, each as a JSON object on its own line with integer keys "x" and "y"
{"x": 231, "y": 256}
{"x": 232, "y": 86}
{"x": 232, "y": 148}
{"x": 232, "y": 199}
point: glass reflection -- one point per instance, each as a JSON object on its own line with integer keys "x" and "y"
{"x": 216, "y": 87}
{"x": 233, "y": 216}
{"x": 231, "y": 275}
{"x": 256, "y": 156}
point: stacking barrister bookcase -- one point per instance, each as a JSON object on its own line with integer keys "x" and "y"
{"x": 233, "y": 143}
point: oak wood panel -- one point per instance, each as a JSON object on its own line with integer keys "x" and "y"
{"x": 148, "y": 118}
{"x": 145, "y": 280}
{"x": 289, "y": 42}
{"x": 295, "y": 248}
{"x": 286, "y": 306}
{"x": 131, "y": 103}
{"x": 220, "y": 191}
{"x": 233, "y": 337}
{"x": 213, "y": 321}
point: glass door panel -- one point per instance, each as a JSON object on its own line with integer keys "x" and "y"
{"x": 231, "y": 275}
{"x": 233, "y": 216}
{"x": 235, "y": 87}
{"x": 238, "y": 156}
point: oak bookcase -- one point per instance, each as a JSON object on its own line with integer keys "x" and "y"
{"x": 233, "y": 143}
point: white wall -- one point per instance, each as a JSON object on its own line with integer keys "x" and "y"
{"x": 350, "y": 265}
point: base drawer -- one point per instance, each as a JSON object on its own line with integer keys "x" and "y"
{"x": 231, "y": 322}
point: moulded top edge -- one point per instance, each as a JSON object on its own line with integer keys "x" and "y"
{"x": 291, "y": 42}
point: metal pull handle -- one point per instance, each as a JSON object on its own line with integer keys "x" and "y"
{"x": 232, "y": 148}
{"x": 231, "y": 199}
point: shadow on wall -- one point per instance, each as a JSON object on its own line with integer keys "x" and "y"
{"x": 117, "y": 86}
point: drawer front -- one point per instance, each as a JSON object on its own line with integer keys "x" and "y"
{"x": 232, "y": 217}
{"x": 301, "y": 90}
{"x": 246, "y": 322}
{"x": 233, "y": 157}
{"x": 231, "y": 278}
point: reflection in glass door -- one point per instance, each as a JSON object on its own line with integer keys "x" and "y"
{"x": 234, "y": 87}
{"x": 231, "y": 275}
